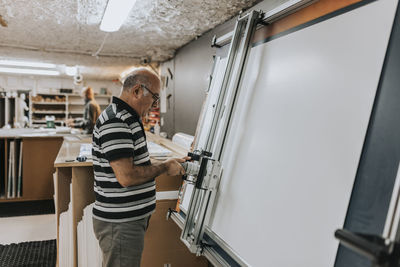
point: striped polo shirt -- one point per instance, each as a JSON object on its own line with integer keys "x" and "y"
{"x": 119, "y": 133}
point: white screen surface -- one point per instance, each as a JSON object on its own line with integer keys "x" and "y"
{"x": 296, "y": 136}
{"x": 206, "y": 123}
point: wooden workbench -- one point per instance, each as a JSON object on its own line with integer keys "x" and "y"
{"x": 40, "y": 148}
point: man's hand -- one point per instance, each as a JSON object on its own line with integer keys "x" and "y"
{"x": 128, "y": 174}
{"x": 174, "y": 167}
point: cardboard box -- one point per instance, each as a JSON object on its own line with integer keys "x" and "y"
{"x": 168, "y": 183}
{"x": 162, "y": 244}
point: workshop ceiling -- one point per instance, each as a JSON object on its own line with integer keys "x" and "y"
{"x": 67, "y": 31}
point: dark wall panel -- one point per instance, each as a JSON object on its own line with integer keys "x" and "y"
{"x": 380, "y": 158}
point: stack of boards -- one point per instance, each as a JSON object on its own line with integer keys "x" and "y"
{"x": 11, "y": 166}
{"x": 88, "y": 250}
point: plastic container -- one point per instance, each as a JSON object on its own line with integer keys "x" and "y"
{"x": 157, "y": 129}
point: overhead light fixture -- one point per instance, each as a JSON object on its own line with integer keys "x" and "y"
{"x": 30, "y": 71}
{"x": 115, "y": 14}
{"x": 27, "y": 64}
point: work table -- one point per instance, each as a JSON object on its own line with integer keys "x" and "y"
{"x": 71, "y": 147}
{"x": 177, "y": 151}
{"x": 33, "y": 133}
{"x": 68, "y": 152}
{"x": 27, "y": 161}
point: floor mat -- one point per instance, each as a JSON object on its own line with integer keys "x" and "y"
{"x": 11, "y": 209}
{"x": 29, "y": 254}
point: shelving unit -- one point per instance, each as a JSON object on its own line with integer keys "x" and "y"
{"x": 61, "y": 106}
{"x": 47, "y": 104}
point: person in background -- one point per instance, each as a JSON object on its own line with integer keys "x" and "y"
{"x": 124, "y": 176}
{"x": 90, "y": 115}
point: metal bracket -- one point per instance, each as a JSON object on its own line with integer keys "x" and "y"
{"x": 263, "y": 22}
{"x": 212, "y": 176}
{"x": 214, "y": 42}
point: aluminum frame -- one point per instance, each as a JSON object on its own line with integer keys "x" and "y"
{"x": 271, "y": 16}
{"x": 202, "y": 198}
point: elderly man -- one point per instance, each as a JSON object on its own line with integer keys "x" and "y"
{"x": 124, "y": 176}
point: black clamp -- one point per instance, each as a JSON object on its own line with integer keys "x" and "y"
{"x": 81, "y": 158}
{"x": 194, "y": 156}
{"x": 261, "y": 19}
{"x": 262, "y": 22}
{"x": 197, "y": 157}
{"x": 169, "y": 213}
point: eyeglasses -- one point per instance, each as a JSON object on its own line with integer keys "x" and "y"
{"x": 155, "y": 97}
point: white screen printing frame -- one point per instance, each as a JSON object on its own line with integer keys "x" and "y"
{"x": 296, "y": 136}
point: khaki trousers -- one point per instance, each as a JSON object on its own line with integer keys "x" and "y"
{"x": 121, "y": 243}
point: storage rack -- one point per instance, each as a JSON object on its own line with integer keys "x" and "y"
{"x": 61, "y": 106}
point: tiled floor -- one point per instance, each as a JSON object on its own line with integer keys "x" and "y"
{"x": 27, "y": 228}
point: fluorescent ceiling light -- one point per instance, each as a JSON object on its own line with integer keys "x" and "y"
{"x": 116, "y": 13}
{"x": 26, "y": 64}
{"x": 30, "y": 71}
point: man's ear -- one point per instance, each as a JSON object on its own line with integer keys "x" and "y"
{"x": 136, "y": 90}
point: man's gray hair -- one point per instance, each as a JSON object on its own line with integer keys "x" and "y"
{"x": 138, "y": 76}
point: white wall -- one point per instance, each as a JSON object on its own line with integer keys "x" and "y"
{"x": 167, "y": 98}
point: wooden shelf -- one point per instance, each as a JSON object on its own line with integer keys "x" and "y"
{"x": 50, "y": 94}
{"x": 44, "y": 121}
{"x": 103, "y": 96}
{"x": 77, "y": 95}
{"x": 49, "y": 112}
{"x": 48, "y": 103}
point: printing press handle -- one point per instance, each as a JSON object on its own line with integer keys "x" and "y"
{"x": 371, "y": 246}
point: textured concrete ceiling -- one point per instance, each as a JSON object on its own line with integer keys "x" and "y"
{"x": 67, "y": 31}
